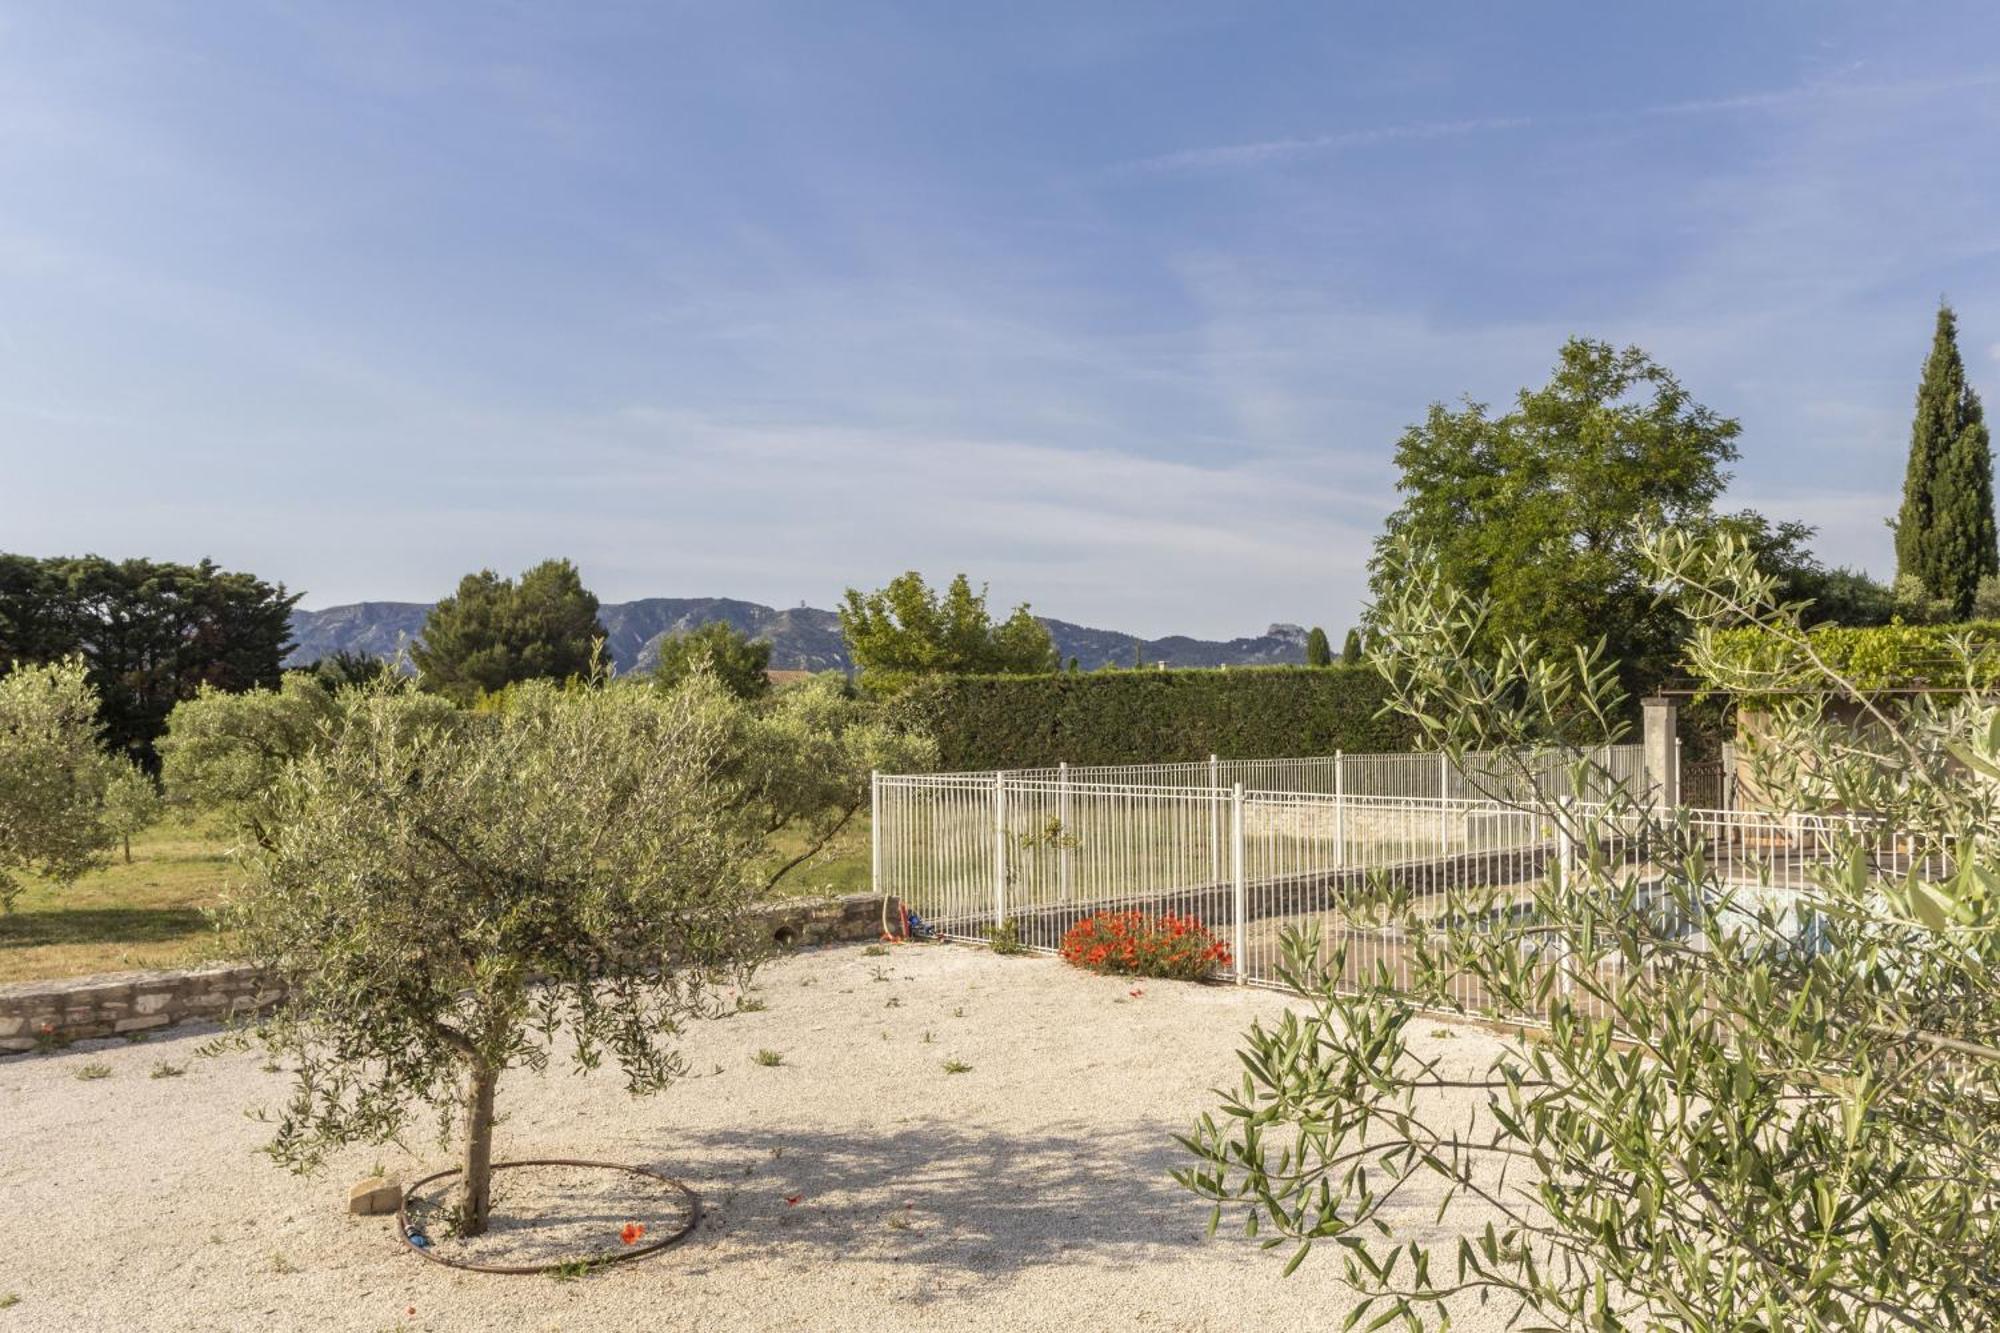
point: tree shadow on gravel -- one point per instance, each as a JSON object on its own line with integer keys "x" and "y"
{"x": 933, "y": 1196}
{"x": 955, "y": 1208}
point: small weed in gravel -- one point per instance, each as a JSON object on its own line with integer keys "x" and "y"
{"x": 1006, "y": 939}
{"x": 571, "y": 1271}
{"x": 750, "y": 1004}
{"x": 93, "y": 1071}
{"x": 927, "y": 1037}
{"x": 958, "y": 1012}
{"x": 134, "y": 1038}
{"x": 880, "y": 973}
{"x": 957, "y": 1067}
{"x": 280, "y": 1264}
{"x": 876, "y": 951}
{"x": 895, "y": 1002}
{"x": 165, "y": 1070}
{"x": 9, "y": 1299}
{"x": 769, "y": 1059}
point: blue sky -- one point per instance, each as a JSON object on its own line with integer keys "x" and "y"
{"x": 1118, "y": 307}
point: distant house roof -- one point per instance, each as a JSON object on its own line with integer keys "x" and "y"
{"x": 787, "y": 677}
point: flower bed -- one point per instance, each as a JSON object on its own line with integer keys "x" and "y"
{"x": 1139, "y": 944}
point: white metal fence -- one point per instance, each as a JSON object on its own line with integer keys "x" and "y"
{"x": 1040, "y": 850}
{"x": 1481, "y": 775}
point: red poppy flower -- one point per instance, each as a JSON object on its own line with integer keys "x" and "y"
{"x": 631, "y": 1232}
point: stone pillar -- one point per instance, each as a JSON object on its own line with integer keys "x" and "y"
{"x": 1661, "y": 752}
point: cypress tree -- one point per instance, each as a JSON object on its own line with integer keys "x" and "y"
{"x": 1945, "y": 530}
{"x": 1350, "y": 649}
{"x": 1319, "y": 652}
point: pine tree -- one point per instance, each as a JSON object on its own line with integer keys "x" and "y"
{"x": 1945, "y": 530}
{"x": 1350, "y": 650}
{"x": 1319, "y": 652}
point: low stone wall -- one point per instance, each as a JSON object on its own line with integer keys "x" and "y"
{"x": 116, "y": 1004}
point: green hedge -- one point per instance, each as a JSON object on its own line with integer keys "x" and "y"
{"x": 1136, "y": 717}
{"x": 1874, "y": 657}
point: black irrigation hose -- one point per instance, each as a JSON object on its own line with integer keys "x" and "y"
{"x": 608, "y": 1257}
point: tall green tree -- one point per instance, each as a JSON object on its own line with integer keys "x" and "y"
{"x": 1533, "y": 510}
{"x": 905, "y": 631}
{"x": 151, "y": 633}
{"x": 1945, "y": 531}
{"x": 740, "y": 662}
{"x": 1319, "y": 652}
{"x": 1350, "y": 648}
{"x": 493, "y": 632}
{"x": 1827, "y": 596}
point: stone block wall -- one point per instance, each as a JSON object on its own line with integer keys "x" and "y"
{"x": 117, "y": 1004}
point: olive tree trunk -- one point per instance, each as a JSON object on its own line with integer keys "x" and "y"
{"x": 475, "y": 1182}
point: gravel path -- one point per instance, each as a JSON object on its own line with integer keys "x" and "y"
{"x": 855, "y": 1186}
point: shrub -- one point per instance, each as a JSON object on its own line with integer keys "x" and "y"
{"x": 1138, "y": 944}
{"x": 1129, "y": 717}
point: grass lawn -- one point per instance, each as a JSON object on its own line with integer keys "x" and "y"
{"x": 844, "y": 867}
{"x": 144, "y": 915}
{"x": 149, "y": 914}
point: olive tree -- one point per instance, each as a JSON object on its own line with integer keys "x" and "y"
{"x": 804, "y": 762}
{"x": 53, "y": 775}
{"x": 131, "y": 804}
{"x": 224, "y": 752}
{"x": 442, "y": 894}
{"x": 1746, "y": 1105}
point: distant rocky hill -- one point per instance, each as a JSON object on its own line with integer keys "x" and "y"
{"x": 801, "y": 638}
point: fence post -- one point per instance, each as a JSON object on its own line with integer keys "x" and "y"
{"x": 1214, "y": 822}
{"x": 1566, "y": 856}
{"x": 999, "y": 851}
{"x": 1339, "y": 808}
{"x": 875, "y": 831}
{"x": 1444, "y": 815}
{"x": 1238, "y": 894}
{"x": 1660, "y": 718}
{"x": 1068, "y": 835}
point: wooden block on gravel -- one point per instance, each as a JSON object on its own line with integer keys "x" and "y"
{"x": 375, "y": 1196}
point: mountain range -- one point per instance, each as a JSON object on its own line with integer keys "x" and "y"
{"x": 802, "y": 638}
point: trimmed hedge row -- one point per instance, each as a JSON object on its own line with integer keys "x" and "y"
{"x": 1137, "y": 717}
{"x": 1874, "y": 657}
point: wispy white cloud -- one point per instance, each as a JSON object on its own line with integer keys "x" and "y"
{"x": 1268, "y": 151}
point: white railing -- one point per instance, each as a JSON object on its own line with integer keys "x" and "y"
{"x": 970, "y": 852}
{"x": 1480, "y": 775}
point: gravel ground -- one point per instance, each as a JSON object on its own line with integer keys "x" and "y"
{"x": 857, "y": 1185}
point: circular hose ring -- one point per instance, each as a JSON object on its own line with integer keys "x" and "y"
{"x": 609, "y": 1257}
